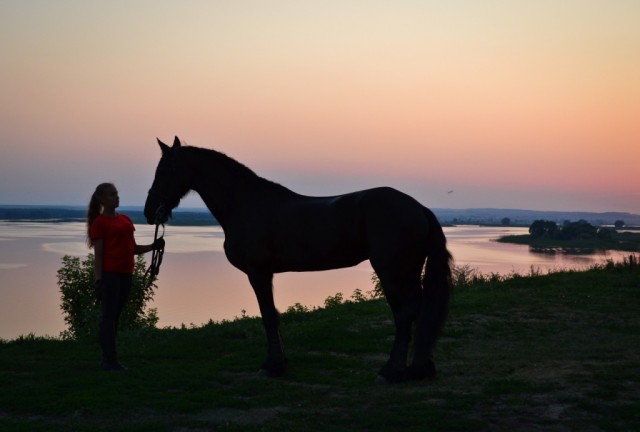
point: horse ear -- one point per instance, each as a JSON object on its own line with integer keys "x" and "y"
{"x": 163, "y": 146}
{"x": 176, "y": 142}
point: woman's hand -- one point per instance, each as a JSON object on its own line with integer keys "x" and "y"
{"x": 159, "y": 243}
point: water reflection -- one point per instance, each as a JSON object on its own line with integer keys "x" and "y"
{"x": 559, "y": 250}
{"x": 475, "y": 246}
{"x": 197, "y": 283}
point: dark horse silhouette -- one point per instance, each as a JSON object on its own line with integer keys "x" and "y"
{"x": 270, "y": 229}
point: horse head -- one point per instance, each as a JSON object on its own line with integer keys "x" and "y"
{"x": 169, "y": 185}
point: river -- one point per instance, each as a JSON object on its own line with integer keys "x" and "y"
{"x": 196, "y": 283}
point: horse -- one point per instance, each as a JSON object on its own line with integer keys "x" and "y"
{"x": 270, "y": 229}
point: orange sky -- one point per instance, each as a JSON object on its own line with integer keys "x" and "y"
{"x": 532, "y": 105}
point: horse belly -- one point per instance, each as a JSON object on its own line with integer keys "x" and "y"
{"x": 321, "y": 252}
{"x": 329, "y": 263}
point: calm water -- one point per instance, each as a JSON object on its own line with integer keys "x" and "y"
{"x": 197, "y": 283}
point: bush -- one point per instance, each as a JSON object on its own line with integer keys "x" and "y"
{"x": 333, "y": 301}
{"x": 81, "y": 308}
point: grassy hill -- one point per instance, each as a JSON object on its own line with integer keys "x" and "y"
{"x": 557, "y": 352}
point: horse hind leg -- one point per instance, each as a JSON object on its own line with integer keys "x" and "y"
{"x": 422, "y": 366}
{"x": 434, "y": 306}
{"x": 276, "y": 362}
{"x": 403, "y": 298}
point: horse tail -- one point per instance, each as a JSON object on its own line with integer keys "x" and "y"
{"x": 436, "y": 287}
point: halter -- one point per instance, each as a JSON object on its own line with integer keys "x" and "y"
{"x": 156, "y": 259}
{"x": 156, "y": 254}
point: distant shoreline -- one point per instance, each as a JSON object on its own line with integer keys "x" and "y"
{"x": 71, "y": 214}
{"x": 202, "y": 217}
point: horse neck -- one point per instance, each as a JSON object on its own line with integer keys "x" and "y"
{"x": 229, "y": 189}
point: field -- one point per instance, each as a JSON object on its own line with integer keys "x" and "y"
{"x": 556, "y": 352}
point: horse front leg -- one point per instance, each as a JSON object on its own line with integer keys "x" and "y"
{"x": 276, "y": 362}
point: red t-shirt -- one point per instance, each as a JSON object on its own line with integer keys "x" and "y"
{"x": 119, "y": 244}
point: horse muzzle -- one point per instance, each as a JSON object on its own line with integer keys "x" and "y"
{"x": 162, "y": 212}
{"x": 160, "y": 216}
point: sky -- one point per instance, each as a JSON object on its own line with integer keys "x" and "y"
{"x": 460, "y": 103}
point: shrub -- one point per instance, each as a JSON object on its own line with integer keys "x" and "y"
{"x": 358, "y": 296}
{"x": 377, "y": 292}
{"x": 81, "y": 308}
{"x": 333, "y": 301}
{"x": 297, "y": 308}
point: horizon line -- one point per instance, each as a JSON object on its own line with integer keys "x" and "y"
{"x": 203, "y": 209}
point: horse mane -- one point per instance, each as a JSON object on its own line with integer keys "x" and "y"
{"x": 233, "y": 167}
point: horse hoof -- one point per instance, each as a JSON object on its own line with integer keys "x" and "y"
{"x": 380, "y": 380}
{"x": 421, "y": 372}
{"x": 265, "y": 373}
{"x": 273, "y": 369}
{"x": 391, "y": 375}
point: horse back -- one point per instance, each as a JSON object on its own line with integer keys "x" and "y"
{"x": 320, "y": 233}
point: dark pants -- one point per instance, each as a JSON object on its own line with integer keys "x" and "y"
{"x": 115, "y": 291}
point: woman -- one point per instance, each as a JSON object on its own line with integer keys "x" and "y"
{"x": 111, "y": 235}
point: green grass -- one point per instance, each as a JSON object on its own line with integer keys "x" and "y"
{"x": 542, "y": 352}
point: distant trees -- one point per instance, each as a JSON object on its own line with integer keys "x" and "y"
{"x": 506, "y": 221}
{"x": 570, "y": 230}
{"x": 577, "y": 230}
{"x": 606, "y": 233}
{"x": 619, "y": 224}
{"x": 543, "y": 228}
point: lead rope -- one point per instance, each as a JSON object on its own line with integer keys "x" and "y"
{"x": 156, "y": 259}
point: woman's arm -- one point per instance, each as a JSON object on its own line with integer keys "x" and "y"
{"x": 140, "y": 249}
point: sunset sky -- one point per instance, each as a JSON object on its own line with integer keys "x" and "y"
{"x": 509, "y": 104}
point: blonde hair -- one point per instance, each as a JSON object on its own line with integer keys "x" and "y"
{"x": 95, "y": 207}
